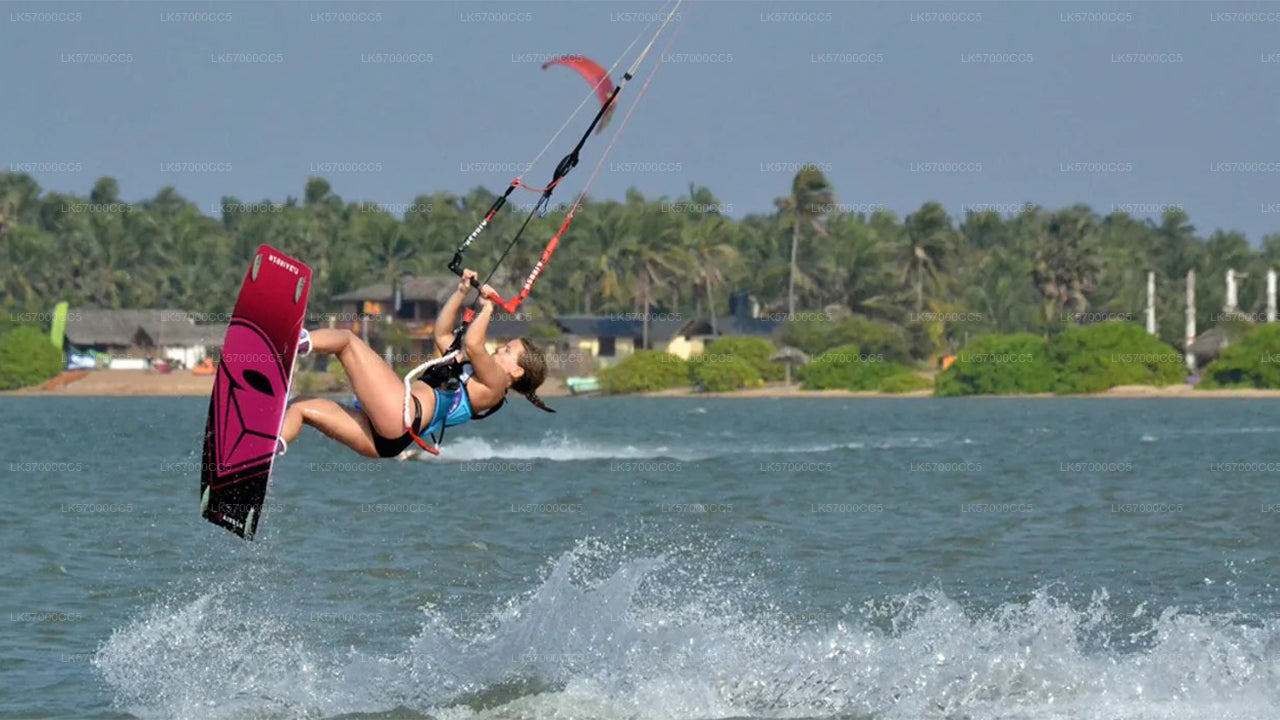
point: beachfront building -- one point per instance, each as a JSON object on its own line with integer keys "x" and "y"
{"x": 132, "y": 339}
{"x": 401, "y": 316}
{"x": 576, "y": 344}
{"x": 743, "y": 319}
{"x": 1208, "y": 345}
{"x": 417, "y": 302}
{"x": 610, "y": 338}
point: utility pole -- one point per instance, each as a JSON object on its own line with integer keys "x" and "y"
{"x": 1151, "y": 303}
{"x": 1271, "y": 295}
{"x": 1191, "y": 319}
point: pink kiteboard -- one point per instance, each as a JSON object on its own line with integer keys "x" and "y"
{"x": 251, "y": 390}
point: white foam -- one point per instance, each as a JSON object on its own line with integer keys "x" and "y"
{"x": 554, "y": 448}
{"x": 604, "y": 635}
{"x": 213, "y": 658}
{"x": 562, "y": 448}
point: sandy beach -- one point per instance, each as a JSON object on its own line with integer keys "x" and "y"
{"x": 126, "y": 383}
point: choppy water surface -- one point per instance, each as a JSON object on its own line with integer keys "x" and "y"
{"x": 657, "y": 558}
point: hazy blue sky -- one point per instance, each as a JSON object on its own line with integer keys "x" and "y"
{"x": 1141, "y": 104}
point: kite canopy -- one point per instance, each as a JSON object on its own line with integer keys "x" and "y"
{"x": 595, "y": 75}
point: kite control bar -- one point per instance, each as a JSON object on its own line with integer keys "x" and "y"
{"x": 455, "y": 265}
{"x": 566, "y": 164}
{"x": 516, "y": 300}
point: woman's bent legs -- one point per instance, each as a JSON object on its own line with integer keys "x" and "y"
{"x": 346, "y": 425}
{"x": 377, "y": 387}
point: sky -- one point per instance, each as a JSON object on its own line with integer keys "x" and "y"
{"x": 1127, "y": 105}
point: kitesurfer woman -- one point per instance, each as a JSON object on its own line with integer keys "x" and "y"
{"x": 376, "y": 427}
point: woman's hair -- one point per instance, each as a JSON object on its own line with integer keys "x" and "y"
{"x": 534, "y": 364}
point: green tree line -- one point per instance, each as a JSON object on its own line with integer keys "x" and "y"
{"x": 980, "y": 273}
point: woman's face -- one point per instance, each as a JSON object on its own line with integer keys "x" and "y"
{"x": 508, "y": 356}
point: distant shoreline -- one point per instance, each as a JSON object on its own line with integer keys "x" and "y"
{"x": 139, "y": 383}
{"x": 180, "y": 383}
{"x": 1120, "y": 391}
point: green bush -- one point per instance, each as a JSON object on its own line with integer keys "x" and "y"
{"x": 644, "y": 371}
{"x": 1098, "y": 357}
{"x": 6, "y": 319}
{"x": 311, "y": 382}
{"x": 809, "y": 335}
{"x": 755, "y": 351}
{"x": 905, "y": 382}
{"x": 873, "y": 337}
{"x": 338, "y": 373}
{"x": 999, "y": 365}
{"x": 925, "y": 338}
{"x": 1254, "y": 362}
{"x": 716, "y": 374}
{"x": 815, "y": 337}
{"x": 27, "y": 357}
{"x": 848, "y": 368}
{"x": 1235, "y": 327}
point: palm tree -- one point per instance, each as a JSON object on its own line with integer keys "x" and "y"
{"x": 803, "y": 211}
{"x": 1174, "y": 248}
{"x": 643, "y": 257}
{"x": 653, "y": 266}
{"x": 593, "y": 268}
{"x": 81, "y": 277}
{"x": 316, "y": 229}
{"x": 382, "y": 242}
{"x": 854, "y": 270}
{"x": 755, "y": 238}
{"x": 19, "y": 200}
{"x": 1221, "y": 252}
{"x": 1068, "y": 262}
{"x": 436, "y": 224}
{"x": 705, "y": 239}
{"x": 28, "y": 266}
{"x": 929, "y": 242}
{"x": 1269, "y": 252}
{"x": 1002, "y": 291}
{"x": 1122, "y": 285}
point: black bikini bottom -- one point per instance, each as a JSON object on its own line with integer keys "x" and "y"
{"x": 389, "y": 448}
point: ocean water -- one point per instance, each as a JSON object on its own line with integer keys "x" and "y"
{"x": 656, "y": 558}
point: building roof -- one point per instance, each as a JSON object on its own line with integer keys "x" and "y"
{"x": 176, "y": 334}
{"x": 507, "y": 329}
{"x": 1209, "y": 344}
{"x": 123, "y": 328}
{"x": 627, "y": 326}
{"x": 732, "y": 325}
{"x": 429, "y": 287}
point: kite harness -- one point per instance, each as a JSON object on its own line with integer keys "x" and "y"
{"x": 446, "y": 372}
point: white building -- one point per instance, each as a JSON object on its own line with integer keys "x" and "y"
{"x": 133, "y": 337}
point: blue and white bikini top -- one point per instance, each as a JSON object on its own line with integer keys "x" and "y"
{"x": 453, "y": 407}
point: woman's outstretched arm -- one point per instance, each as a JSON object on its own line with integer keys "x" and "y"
{"x": 447, "y": 320}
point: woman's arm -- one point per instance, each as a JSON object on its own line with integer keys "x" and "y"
{"x": 447, "y": 320}
{"x": 487, "y": 370}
